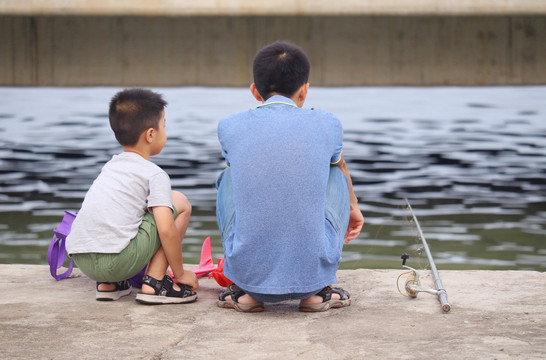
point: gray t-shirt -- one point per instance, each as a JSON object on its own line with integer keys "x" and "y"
{"x": 114, "y": 206}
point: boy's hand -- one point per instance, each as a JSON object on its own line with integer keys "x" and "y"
{"x": 189, "y": 278}
{"x": 356, "y": 220}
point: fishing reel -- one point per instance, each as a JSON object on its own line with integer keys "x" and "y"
{"x": 413, "y": 284}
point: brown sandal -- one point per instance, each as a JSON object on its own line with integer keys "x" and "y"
{"x": 327, "y": 301}
{"x": 235, "y": 293}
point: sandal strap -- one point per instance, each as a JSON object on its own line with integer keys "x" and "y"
{"x": 234, "y": 291}
{"x": 343, "y": 294}
{"x": 165, "y": 286}
{"x": 326, "y": 293}
{"x": 168, "y": 287}
{"x": 153, "y": 283}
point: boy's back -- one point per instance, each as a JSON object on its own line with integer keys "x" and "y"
{"x": 115, "y": 204}
{"x": 280, "y": 157}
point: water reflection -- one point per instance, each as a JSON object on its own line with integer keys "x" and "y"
{"x": 471, "y": 160}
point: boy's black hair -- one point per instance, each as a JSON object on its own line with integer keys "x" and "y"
{"x": 133, "y": 111}
{"x": 280, "y": 67}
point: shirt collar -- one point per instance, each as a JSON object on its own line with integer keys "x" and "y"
{"x": 278, "y": 99}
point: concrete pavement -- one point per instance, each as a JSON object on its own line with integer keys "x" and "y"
{"x": 495, "y": 315}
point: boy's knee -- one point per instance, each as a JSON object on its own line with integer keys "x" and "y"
{"x": 181, "y": 202}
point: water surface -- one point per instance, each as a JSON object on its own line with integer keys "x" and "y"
{"x": 470, "y": 160}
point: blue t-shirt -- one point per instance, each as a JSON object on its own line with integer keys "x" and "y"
{"x": 280, "y": 157}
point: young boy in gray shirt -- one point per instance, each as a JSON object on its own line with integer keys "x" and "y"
{"x": 130, "y": 217}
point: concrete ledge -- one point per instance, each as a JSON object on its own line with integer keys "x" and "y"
{"x": 280, "y": 7}
{"x": 495, "y": 314}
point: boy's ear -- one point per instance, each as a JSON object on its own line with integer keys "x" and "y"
{"x": 303, "y": 92}
{"x": 300, "y": 95}
{"x": 255, "y": 93}
{"x": 149, "y": 135}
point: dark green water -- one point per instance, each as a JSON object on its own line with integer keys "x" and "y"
{"x": 472, "y": 162}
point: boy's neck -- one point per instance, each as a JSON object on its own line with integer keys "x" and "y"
{"x": 298, "y": 98}
{"x": 135, "y": 149}
{"x": 293, "y": 98}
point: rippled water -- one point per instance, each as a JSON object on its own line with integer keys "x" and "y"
{"x": 472, "y": 162}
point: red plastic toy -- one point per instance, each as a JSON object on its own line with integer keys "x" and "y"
{"x": 207, "y": 267}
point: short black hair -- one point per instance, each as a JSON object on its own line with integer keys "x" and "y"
{"x": 281, "y": 67}
{"x": 133, "y": 111}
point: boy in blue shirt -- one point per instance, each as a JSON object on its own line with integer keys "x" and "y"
{"x": 130, "y": 217}
{"x": 285, "y": 203}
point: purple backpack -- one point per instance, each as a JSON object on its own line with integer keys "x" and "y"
{"x": 56, "y": 253}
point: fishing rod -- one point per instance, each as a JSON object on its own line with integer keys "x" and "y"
{"x": 413, "y": 286}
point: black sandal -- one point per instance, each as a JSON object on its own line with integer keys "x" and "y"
{"x": 122, "y": 288}
{"x": 327, "y": 301}
{"x": 235, "y": 293}
{"x": 165, "y": 293}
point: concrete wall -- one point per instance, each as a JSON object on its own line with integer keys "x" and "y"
{"x": 55, "y": 50}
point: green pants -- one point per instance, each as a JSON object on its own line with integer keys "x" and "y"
{"x": 117, "y": 267}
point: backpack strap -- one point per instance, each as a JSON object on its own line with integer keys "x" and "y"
{"x": 56, "y": 252}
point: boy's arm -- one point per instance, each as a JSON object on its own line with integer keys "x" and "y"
{"x": 356, "y": 220}
{"x": 172, "y": 245}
